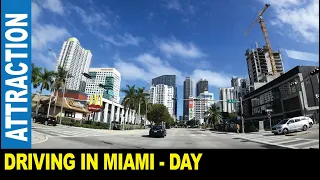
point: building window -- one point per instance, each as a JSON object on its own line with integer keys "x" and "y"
{"x": 69, "y": 114}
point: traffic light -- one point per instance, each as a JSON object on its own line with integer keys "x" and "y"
{"x": 315, "y": 71}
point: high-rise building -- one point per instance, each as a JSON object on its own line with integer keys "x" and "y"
{"x": 163, "y": 94}
{"x": 108, "y": 77}
{"x": 226, "y": 94}
{"x": 241, "y": 87}
{"x": 76, "y": 60}
{"x": 201, "y": 105}
{"x": 187, "y": 92}
{"x": 169, "y": 80}
{"x": 202, "y": 86}
{"x": 259, "y": 66}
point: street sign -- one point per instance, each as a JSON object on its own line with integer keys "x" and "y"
{"x": 232, "y": 101}
{"x": 269, "y": 110}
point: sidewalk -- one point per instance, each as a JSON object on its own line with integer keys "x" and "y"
{"x": 38, "y": 138}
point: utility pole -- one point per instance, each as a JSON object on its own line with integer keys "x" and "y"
{"x": 242, "y": 119}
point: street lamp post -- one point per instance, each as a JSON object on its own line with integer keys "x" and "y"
{"x": 54, "y": 92}
{"x": 63, "y": 93}
{"x": 87, "y": 76}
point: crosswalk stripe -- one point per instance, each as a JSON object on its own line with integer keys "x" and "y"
{"x": 306, "y": 143}
{"x": 289, "y": 141}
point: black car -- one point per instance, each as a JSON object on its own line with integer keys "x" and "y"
{"x": 157, "y": 131}
{"x": 45, "y": 120}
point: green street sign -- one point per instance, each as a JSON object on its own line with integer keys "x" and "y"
{"x": 232, "y": 101}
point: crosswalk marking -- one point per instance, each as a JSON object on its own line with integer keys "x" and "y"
{"x": 309, "y": 142}
{"x": 68, "y": 131}
{"x": 284, "y": 141}
{"x": 288, "y": 141}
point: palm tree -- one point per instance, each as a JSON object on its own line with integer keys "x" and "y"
{"x": 129, "y": 98}
{"x": 213, "y": 114}
{"x": 45, "y": 81}
{"x": 36, "y": 72}
{"x": 141, "y": 97}
{"x": 59, "y": 83}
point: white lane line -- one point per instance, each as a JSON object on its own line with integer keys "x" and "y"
{"x": 290, "y": 141}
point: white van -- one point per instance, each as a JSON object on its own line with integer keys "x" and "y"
{"x": 286, "y": 126}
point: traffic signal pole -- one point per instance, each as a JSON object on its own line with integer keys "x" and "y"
{"x": 242, "y": 119}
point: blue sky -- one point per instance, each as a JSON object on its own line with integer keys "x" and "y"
{"x": 144, "y": 39}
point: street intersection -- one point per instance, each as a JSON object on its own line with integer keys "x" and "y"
{"x": 61, "y": 136}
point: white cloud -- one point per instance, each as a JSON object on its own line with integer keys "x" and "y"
{"x": 185, "y": 8}
{"x": 173, "y": 4}
{"x": 146, "y": 66}
{"x": 177, "y": 48}
{"x": 129, "y": 71}
{"x": 92, "y": 19}
{"x": 45, "y": 35}
{"x": 157, "y": 67}
{"x": 122, "y": 41}
{"x": 214, "y": 78}
{"x": 302, "y": 55}
{"x": 300, "y": 16}
{"x": 45, "y": 60}
{"x": 54, "y": 6}
{"x": 36, "y": 11}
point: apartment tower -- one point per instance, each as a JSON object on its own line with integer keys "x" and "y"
{"x": 75, "y": 60}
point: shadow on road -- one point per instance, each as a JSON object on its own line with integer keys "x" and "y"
{"x": 272, "y": 134}
{"x": 107, "y": 142}
{"x": 146, "y": 136}
{"x": 219, "y": 132}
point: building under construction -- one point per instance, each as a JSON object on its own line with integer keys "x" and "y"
{"x": 259, "y": 66}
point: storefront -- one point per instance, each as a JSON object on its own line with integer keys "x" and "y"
{"x": 289, "y": 95}
{"x": 71, "y": 108}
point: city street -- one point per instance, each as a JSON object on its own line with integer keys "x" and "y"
{"x": 73, "y": 137}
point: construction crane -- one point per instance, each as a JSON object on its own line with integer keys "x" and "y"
{"x": 264, "y": 30}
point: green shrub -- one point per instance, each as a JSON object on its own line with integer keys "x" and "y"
{"x": 95, "y": 125}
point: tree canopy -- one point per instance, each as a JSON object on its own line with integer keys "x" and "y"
{"x": 158, "y": 113}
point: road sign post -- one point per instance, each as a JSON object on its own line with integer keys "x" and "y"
{"x": 269, "y": 117}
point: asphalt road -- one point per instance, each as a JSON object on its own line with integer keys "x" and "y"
{"x": 63, "y": 137}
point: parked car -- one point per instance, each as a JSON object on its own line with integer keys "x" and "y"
{"x": 157, "y": 131}
{"x": 286, "y": 126}
{"x": 45, "y": 120}
{"x": 310, "y": 121}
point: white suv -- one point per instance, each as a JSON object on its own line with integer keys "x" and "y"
{"x": 286, "y": 126}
